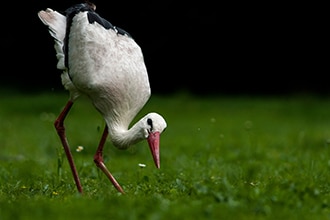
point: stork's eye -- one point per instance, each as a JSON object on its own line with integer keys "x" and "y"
{"x": 149, "y": 122}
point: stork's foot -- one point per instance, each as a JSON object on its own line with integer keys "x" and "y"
{"x": 98, "y": 160}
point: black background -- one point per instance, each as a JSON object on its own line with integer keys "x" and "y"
{"x": 202, "y": 47}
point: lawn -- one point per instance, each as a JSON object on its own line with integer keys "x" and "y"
{"x": 222, "y": 157}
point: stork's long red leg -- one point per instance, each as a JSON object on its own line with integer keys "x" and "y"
{"x": 98, "y": 159}
{"x": 59, "y": 125}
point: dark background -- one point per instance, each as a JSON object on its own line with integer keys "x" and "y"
{"x": 200, "y": 47}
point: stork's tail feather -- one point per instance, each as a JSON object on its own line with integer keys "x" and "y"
{"x": 56, "y": 23}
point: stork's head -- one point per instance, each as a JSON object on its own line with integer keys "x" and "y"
{"x": 154, "y": 125}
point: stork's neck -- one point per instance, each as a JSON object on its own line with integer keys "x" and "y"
{"x": 122, "y": 137}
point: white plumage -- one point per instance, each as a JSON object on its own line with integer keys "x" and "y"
{"x": 104, "y": 63}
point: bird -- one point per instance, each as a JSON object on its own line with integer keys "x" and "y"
{"x": 103, "y": 62}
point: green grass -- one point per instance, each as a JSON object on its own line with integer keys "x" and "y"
{"x": 221, "y": 158}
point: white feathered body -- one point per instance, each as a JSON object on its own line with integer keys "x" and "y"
{"x": 108, "y": 67}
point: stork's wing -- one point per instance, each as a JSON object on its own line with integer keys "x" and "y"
{"x": 56, "y": 23}
{"x": 94, "y": 17}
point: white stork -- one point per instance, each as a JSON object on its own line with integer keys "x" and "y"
{"x": 104, "y": 63}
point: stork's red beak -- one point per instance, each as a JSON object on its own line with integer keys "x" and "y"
{"x": 153, "y": 141}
